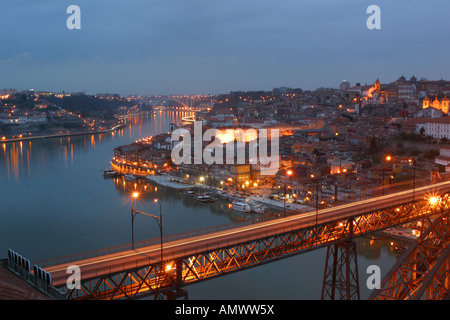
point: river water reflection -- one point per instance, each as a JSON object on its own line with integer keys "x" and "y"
{"x": 54, "y": 201}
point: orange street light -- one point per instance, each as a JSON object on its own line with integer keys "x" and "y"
{"x": 134, "y": 196}
{"x": 387, "y": 158}
{"x": 288, "y": 173}
{"x": 433, "y": 200}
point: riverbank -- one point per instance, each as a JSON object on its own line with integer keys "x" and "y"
{"x": 174, "y": 183}
{"x": 171, "y": 182}
{"x": 50, "y": 136}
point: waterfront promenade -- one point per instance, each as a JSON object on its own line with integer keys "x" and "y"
{"x": 62, "y": 135}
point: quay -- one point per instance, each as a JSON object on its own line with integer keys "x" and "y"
{"x": 174, "y": 183}
{"x": 63, "y": 135}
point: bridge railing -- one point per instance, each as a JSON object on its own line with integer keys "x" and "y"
{"x": 167, "y": 238}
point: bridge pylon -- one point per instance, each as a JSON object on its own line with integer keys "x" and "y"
{"x": 341, "y": 279}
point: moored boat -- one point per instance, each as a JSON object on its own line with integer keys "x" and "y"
{"x": 257, "y": 208}
{"x": 189, "y": 193}
{"x": 111, "y": 174}
{"x": 241, "y": 206}
{"x": 204, "y": 198}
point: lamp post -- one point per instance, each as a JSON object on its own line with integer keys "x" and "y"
{"x": 413, "y": 162}
{"x": 385, "y": 159}
{"x": 134, "y": 196}
{"x": 288, "y": 173}
{"x": 134, "y": 212}
{"x": 317, "y": 197}
{"x": 160, "y": 225}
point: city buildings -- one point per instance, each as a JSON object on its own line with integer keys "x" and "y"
{"x": 335, "y": 135}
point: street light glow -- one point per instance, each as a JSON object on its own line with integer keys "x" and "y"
{"x": 135, "y": 195}
{"x": 433, "y": 200}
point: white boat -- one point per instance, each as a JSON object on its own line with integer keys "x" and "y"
{"x": 241, "y": 206}
{"x": 257, "y": 208}
{"x": 203, "y": 198}
{"x": 189, "y": 193}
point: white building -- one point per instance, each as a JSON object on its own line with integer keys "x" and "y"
{"x": 429, "y": 113}
{"x": 406, "y": 91}
{"x": 444, "y": 158}
{"x": 438, "y": 128}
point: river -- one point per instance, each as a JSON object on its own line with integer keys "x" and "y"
{"x": 54, "y": 201}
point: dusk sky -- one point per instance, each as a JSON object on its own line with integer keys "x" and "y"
{"x": 152, "y": 47}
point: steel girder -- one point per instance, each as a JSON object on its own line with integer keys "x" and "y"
{"x": 341, "y": 280}
{"x": 162, "y": 281}
{"x": 423, "y": 273}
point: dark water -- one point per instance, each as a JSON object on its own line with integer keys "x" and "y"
{"x": 54, "y": 202}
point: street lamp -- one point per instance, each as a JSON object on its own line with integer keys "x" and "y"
{"x": 386, "y": 159}
{"x": 433, "y": 200}
{"x": 317, "y": 197}
{"x": 160, "y": 225}
{"x": 134, "y": 212}
{"x": 288, "y": 173}
{"x": 134, "y": 196}
{"x": 413, "y": 162}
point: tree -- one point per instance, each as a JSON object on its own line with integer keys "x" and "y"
{"x": 373, "y": 146}
{"x": 422, "y": 131}
{"x": 431, "y": 154}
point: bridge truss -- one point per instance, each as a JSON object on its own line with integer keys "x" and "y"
{"x": 423, "y": 273}
{"x": 166, "y": 280}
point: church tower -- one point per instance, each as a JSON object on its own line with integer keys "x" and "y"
{"x": 437, "y": 103}
{"x": 426, "y": 102}
{"x": 445, "y": 105}
{"x": 378, "y": 87}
